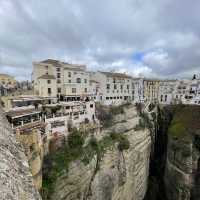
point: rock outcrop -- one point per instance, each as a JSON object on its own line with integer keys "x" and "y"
{"x": 16, "y": 182}
{"x": 118, "y": 174}
{"x": 182, "y": 173}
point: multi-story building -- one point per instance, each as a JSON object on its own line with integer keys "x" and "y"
{"x": 187, "y": 91}
{"x": 166, "y": 91}
{"x": 138, "y": 90}
{"x": 151, "y": 90}
{"x": 7, "y": 84}
{"x": 114, "y": 88}
{"x": 69, "y": 81}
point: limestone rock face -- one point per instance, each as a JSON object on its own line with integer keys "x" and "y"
{"x": 16, "y": 181}
{"x": 121, "y": 175}
{"x": 182, "y": 175}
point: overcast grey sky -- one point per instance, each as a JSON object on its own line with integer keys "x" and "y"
{"x": 155, "y": 38}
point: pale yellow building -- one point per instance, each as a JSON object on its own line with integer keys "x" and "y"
{"x": 71, "y": 81}
{"x": 7, "y": 81}
{"x": 151, "y": 90}
{"x": 46, "y": 86}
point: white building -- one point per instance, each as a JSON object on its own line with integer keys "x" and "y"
{"x": 114, "y": 88}
{"x": 138, "y": 90}
{"x": 166, "y": 91}
{"x": 56, "y": 120}
{"x": 188, "y": 91}
{"x": 69, "y": 81}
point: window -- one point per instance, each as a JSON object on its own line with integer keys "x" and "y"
{"x": 111, "y": 98}
{"x": 107, "y": 98}
{"x": 47, "y": 67}
{"x": 91, "y": 105}
{"x": 73, "y": 90}
{"x": 49, "y": 81}
{"x": 75, "y": 73}
{"x": 108, "y": 86}
{"x": 58, "y": 81}
{"x": 115, "y": 86}
{"x": 49, "y": 90}
{"x": 85, "y": 80}
{"x": 85, "y": 89}
{"x": 69, "y": 74}
{"x": 58, "y": 75}
{"x": 121, "y": 87}
{"x": 59, "y": 90}
{"x": 58, "y": 69}
{"x": 78, "y": 80}
{"x": 69, "y": 81}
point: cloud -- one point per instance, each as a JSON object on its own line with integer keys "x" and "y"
{"x": 149, "y": 37}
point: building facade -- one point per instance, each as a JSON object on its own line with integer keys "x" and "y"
{"x": 69, "y": 81}
{"x": 166, "y": 91}
{"x": 151, "y": 90}
{"x": 7, "y": 84}
{"x": 114, "y": 88}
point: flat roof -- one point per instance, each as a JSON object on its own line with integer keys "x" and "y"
{"x": 116, "y": 75}
{"x": 21, "y": 113}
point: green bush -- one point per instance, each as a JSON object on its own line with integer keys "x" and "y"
{"x": 124, "y": 143}
{"x": 94, "y": 144}
{"x": 75, "y": 140}
{"x": 177, "y": 129}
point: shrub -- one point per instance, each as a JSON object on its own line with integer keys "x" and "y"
{"x": 177, "y": 129}
{"x": 116, "y": 110}
{"x": 94, "y": 144}
{"x": 75, "y": 139}
{"x": 124, "y": 143}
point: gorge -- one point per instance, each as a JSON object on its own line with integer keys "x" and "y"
{"x": 132, "y": 157}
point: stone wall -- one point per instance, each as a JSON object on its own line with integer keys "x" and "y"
{"x": 16, "y": 182}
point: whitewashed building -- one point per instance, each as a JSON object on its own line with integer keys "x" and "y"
{"x": 114, "y": 88}
{"x": 138, "y": 90}
{"x": 166, "y": 91}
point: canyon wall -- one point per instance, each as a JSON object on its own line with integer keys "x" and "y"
{"x": 118, "y": 174}
{"x": 16, "y": 182}
{"x": 182, "y": 172}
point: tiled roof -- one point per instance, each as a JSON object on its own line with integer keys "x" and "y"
{"x": 116, "y": 75}
{"x": 47, "y": 76}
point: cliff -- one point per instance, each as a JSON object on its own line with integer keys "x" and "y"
{"x": 16, "y": 181}
{"x": 118, "y": 170}
{"x": 182, "y": 173}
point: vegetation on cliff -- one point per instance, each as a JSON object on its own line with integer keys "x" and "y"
{"x": 185, "y": 121}
{"x": 77, "y": 149}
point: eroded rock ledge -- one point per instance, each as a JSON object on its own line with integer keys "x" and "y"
{"x": 15, "y": 178}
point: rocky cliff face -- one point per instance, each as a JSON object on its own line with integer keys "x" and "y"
{"x": 182, "y": 173}
{"x": 15, "y": 178}
{"x": 118, "y": 174}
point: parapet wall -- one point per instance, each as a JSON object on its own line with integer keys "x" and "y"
{"x": 16, "y": 182}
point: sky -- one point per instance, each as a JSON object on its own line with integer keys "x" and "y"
{"x": 152, "y": 38}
